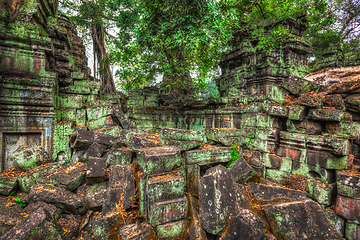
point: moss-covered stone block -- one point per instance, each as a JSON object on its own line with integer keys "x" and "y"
{"x": 352, "y": 230}
{"x": 158, "y": 159}
{"x": 321, "y": 192}
{"x": 327, "y": 160}
{"x": 94, "y": 113}
{"x": 273, "y": 161}
{"x": 208, "y": 154}
{"x": 173, "y": 230}
{"x": 296, "y": 112}
{"x": 313, "y": 172}
{"x": 348, "y": 184}
{"x": 103, "y": 122}
{"x": 168, "y": 211}
{"x": 328, "y": 115}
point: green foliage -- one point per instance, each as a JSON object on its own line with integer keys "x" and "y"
{"x": 12, "y": 193}
{"x": 21, "y": 203}
{"x": 248, "y": 144}
{"x": 235, "y": 154}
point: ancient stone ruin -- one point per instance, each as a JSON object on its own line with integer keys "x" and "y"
{"x": 277, "y": 156}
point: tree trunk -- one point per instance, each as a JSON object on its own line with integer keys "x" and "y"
{"x": 179, "y": 78}
{"x": 107, "y": 81}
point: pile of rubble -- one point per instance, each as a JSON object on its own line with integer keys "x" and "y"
{"x": 128, "y": 185}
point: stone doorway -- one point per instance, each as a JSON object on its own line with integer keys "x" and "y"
{"x": 13, "y": 141}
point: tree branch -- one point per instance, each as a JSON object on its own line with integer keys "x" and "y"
{"x": 110, "y": 35}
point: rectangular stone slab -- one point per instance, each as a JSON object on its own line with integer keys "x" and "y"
{"x": 63, "y": 199}
{"x": 348, "y": 208}
{"x": 328, "y": 160}
{"x": 27, "y": 181}
{"x": 38, "y": 225}
{"x": 264, "y": 193}
{"x": 182, "y": 145}
{"x": 273, "y": 161}
{"x": 70, "y": 176}
{"x": 95, "y": 150}
{"x": 294, "y": 220}
{"x": 83, "y": 139}
{"x": 182, "y": 135}
{"x": 210, "y": 154}
{"x": 173, "y": 230}
{"x": 192, "y": 179}
{"x": 103, "y": 122}
{"x": 119, "y": 156}
{"x": 314, "y": 172}
{"x": 321, "y": 192}
{"x": 96, "y": 170}
{"x": 7, "y": 185}
{"x": 158, "y": 159}
{"x": 348, "y": 185}
{"x": 168, "y": 211}
{"x": 96, "y": 194}
{"x": 241, "y": 171}
{"x": 165, "y": 186}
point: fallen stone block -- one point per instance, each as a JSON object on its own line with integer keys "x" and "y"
{"x": 348, "y": 208}
{"x": 216, "y": 134}
{"x": 276, "y": 175}
{"x": 63, "y": 199}
{"x": 335, "y": 101}
{"x": 311, "y": 99}
{"x": 96, "y": 194}
{"x": 38, "y": 225}
{"x": 30, "y": 178}
{"x": 348, "y": 184}
{"x": 121, "y": 135}
{"x": 338, "y": 146}
{"x": 299, "y": 86}
{"x": 95, "y": 150}
{"x": 70, "y": 176}
{"x": 195, "y": 230}
{"x": 83, "y": 139}
{"x": 216, "y": 199}
{"x": 119, "y": 156}
{"x": 96, "y": 170}
{"x": 241, "y": 171}
{"x": 193, "y": 179}
{"x": 321, "y": 192}
{"x": 70, "y": 223}
{"x": 246, "y": 225}
{"x": 168, "y": 211}
{"x": 102, "y": 227}
{"x": 352, "y": 230}
{"x": 305, "y": 126}
{"x": 137, "y": 231}
{"x": 165, "y": 186}
{"x": 296, "y": 112}
{"x": 103, "y": 122}
{"x": 159, "y": 159}
{"x": 94, "y": 113}
{"x": 328, "y": 160}
{"x": 276, "y": 110}
{"x": 242, "y": 195}
{"x": 273, "y": 161}
{"x": 122, "y": 180}
{"x": 29, "y": 157}
{"x": 182, "y": 145}
{"x": 295, "y": 220}
{"x": 146, "y": 140}
{"x": 8, "y": 185}
{"x": 9, "y": 215}
{"x": 264, "y": 193}
{"x": 182, "y": 135}
{"x": 328, "y": 115}
{"x": 32, "y": 207}
{"x": 208, "y": 154}
{"x": 349, "y": 130}
{"x": 173, "y": 230}
{"x": 337, "y": 221}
